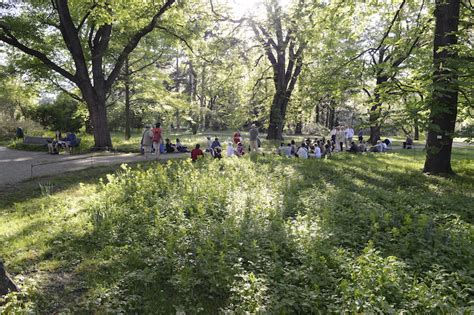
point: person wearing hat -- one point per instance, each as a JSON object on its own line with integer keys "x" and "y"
{"x": 147, "y": 140}
{"x": 253, "y": 132}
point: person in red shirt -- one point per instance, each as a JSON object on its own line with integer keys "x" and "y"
{"x": 157, "y": 139}
{"x": 196, "y": 152}
{"x": 237, "y": 137}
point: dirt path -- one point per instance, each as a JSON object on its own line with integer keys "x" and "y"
{"x": 16, "y": 166}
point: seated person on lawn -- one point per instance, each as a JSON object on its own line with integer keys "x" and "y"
{"x": 169, "y": 147}
{"x": 180, "y": 147}
{"x": 196, "y": 153}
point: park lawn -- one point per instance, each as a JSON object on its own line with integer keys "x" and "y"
{"x": 366, "y": 233}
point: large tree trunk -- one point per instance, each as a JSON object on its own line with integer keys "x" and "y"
{"x": 444, "y": 98}
{"x": 417, "y": 129}
{"x": 317, "y": 113}
{"x": 326, "y": 117}
{"x": 202, "y": 99}
{"x": 332, "y": 116}
{"x": 127, "y": 100}
{"x": 96, "y": 104}
{"x": 6, "y": 284}
{"x": 277, "y": 116}
{"x": 375, "y": 111}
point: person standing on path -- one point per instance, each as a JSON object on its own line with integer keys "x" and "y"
{"x": 157, "y": 139}
{"x": 361, "y": 135}
{"x": 349, "y": 135}
{"x": 147, "y": 140}
{"x": 253, "y": 138}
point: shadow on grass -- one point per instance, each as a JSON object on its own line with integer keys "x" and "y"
{"x": 386, "y": 199}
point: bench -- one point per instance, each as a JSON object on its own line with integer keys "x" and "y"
{"x": 37, "y": 140}
{"x": 71, "y": 147}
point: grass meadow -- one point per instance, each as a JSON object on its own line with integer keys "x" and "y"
{"x": 365, "y": 233}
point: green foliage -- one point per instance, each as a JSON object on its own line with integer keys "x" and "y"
{"x": 359, "y": 234}
{"x": 19, "y": 302}
{"x": 63, "y": 114}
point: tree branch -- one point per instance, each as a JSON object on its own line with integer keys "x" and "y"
{"x": 385, "y": 35}
{"x": 133, "y": 42}
{"x": 10, "y": 39}
{"x": 86, "y": 16}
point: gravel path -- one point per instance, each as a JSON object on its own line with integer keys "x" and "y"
{"x": 16, "y": 166}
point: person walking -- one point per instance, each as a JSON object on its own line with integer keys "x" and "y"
{"x": 253, "y": 132}
{"x": 157, "y": 139}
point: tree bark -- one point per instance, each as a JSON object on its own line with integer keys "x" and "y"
{"x": 275, "y": 127}
{"x": 127, "y": 100}
{"x": 332, "y": 116}
{"x": 444, "y": 99}
{"x": 95, "y": 100}
{"x": 417, "y": 130}
{"x": 317, "y": 113}
{"x": 6, "y": 284}
{"x": 326, "y": 117}
{"x": 375, "y": 111}
{"x": 202, "y": 99}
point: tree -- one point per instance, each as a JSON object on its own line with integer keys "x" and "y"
{"x": 285, "y": 54}
{"x": 395, "y": 47}
{"x": 444, "y": 98}
{"x": 86, "y": 30}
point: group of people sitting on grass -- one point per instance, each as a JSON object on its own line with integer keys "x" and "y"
{"x": 215, "y": 149}
{"x": 234, "y": 147}
{"x": 320, "y": 148}
{"x": 66, "y": 143}
{"x": 174, "y": 147}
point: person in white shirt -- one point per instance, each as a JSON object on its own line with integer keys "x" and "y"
{"x": 209, "y": 143}
{"x": 288, "y": 150}
{"x": 317, "y": 152}
{"x": 340, "y": 139}
{"x": 230, "y": 149}
{"x": 349, "y": 134}
{"x": 302, "y": 152}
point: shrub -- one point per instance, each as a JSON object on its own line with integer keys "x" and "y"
{"x": 63, "y": 114}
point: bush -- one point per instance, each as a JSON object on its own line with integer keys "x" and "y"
{"x": 63, "y": 114}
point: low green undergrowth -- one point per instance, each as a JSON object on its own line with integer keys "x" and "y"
{"x": 362, "y": 234}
